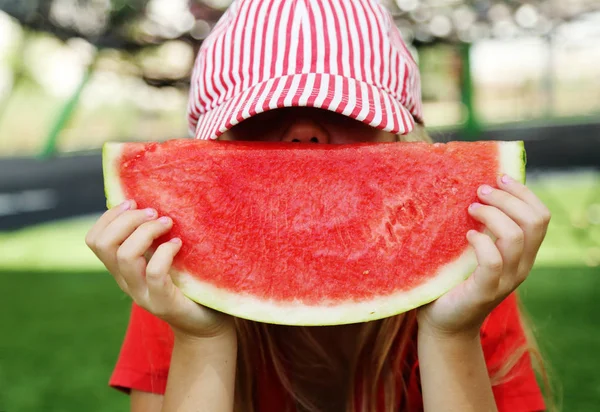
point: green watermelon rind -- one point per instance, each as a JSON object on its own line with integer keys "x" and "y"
{"x": 512, "y": 162}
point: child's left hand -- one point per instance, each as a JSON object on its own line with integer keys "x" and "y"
{"x": 519, "y": 220}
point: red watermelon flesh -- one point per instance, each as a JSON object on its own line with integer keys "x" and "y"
{"x": 313, "y": 234}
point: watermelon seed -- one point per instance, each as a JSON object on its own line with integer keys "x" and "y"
{"x": 366, "y": 272}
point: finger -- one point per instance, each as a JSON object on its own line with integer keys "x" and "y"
{"x": 105, "y": 220}
{"x": 512, "y": 206}
{"x": 117, "y": 231}
{"x": 522, "y": 192}
{"x": 528, "y": 219}
{"x": 487, "y": 275}
{"x": 510, "y": 237}
{"x": 122, "y": 284}
{"x": 130, "y": 255}
{"x": 161, "y": 290}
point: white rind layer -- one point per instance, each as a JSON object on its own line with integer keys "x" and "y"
{"x": 297, "y": 313}
{"x": 111, "y": 152}
{"x": 512, "y": 162}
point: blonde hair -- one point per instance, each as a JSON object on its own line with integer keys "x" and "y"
{"x": 383, "y": 356}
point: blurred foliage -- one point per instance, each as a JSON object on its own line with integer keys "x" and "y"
{"x": 116, "y": 23}
{"x": 105, "y": 24}
{"x": 120, "y": 24}
{"x": 426, "y": 21}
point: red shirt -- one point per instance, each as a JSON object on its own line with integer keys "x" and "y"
{"x": 144, "y": 360}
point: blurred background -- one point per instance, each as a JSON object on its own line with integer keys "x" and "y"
{"x": 77, "y": 73}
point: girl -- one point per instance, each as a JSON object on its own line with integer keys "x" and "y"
{"x": 322, "y": 71}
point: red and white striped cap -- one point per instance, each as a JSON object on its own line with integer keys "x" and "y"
{"x": 346, "y": 56}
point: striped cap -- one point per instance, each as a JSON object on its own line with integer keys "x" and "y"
{"x": 346, "y": 56}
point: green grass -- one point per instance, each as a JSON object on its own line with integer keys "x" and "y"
{"x": 563, "y": 303}
{"x": 49, "y": 247}
{"x": 574, "y": 233}
{"x": 62, "y": 333}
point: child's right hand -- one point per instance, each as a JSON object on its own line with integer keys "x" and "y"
{"x": 120, "y": 239}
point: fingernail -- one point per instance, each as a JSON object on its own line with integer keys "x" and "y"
{"x": 486, "y": 190}
{"x": 506, "y": 179}
{"x": 150, "y": 212}
{"x": 125, "y": 205}
{"x": 470, "y": 233}
{"x": 175, "y": 240}
{"x": 164, "y": 220}
{"x": 474, "y": 206}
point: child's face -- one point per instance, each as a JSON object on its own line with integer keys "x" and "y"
{"x": 306, "y": 125}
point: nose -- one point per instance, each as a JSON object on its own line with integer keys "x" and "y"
{"x": 305, "y": 131}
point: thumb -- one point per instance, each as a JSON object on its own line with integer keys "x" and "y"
{"x": 169, "y": 302}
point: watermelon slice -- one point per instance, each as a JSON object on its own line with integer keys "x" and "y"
{"x": 313, "y": 234}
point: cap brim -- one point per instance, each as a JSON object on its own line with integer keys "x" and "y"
{"x": 358, "y": 100}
